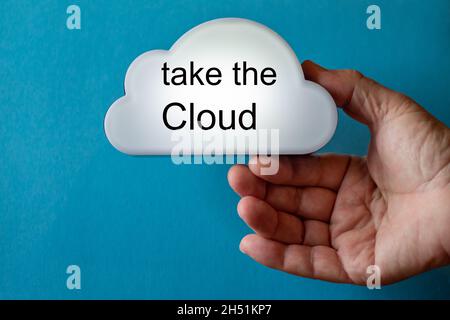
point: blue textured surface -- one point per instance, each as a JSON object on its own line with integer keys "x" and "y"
{"x": 142, "y": 227}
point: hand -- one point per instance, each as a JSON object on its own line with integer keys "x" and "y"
{"x": 331, "y": 216}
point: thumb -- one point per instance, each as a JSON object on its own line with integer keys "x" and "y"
{"x": 362, "y": 98}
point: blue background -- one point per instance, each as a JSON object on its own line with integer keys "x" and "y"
{"x": 143, "y": 227}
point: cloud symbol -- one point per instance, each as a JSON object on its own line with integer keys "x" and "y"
{"x": 302, "y": 111}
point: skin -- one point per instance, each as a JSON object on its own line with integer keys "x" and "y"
{"x": 331, "y": 216}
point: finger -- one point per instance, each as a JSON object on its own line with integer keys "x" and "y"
{"x": 339, "y": 83}
{"x": 325, "y": 171}
{"x": 317, "y": 233}
{"x": 319, "y": 262}
{"x": 281, "y": 226}
{"x": 362, "y": 98}
{"x": 308, "y": 202}
{"x": 269, "y": 223}
{"x": 245, "y": 183}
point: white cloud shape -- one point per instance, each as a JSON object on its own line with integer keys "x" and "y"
{"x": 302, "y": 111}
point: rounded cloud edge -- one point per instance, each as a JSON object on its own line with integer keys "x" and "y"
{"x": 127, "y": 98}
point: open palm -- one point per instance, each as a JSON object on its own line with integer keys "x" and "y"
{"x": 331, "y": 216}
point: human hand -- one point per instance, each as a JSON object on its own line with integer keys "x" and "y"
{"x": 331, "y": 216}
